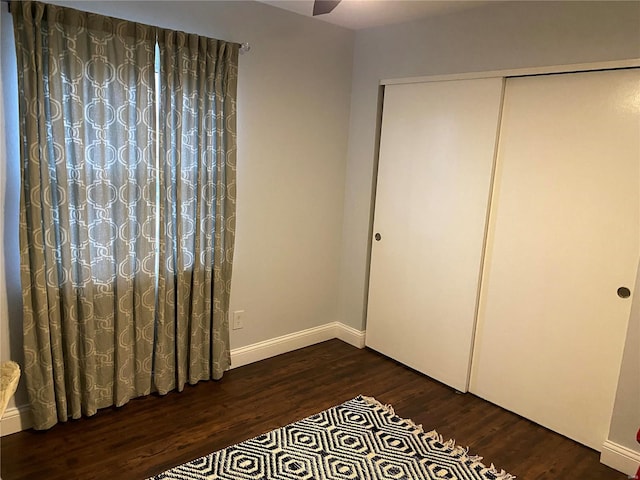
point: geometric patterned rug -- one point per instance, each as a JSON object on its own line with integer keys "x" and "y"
{"x": 358, "y": 440}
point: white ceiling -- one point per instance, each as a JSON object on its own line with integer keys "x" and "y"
{"x": 359, "y": 14}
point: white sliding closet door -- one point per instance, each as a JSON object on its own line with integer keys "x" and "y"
{"x": 563, "y": 238}
{"x": 434, "y": 176}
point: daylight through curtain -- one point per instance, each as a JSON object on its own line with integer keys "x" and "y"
{"x": 87, "y": 243}
{"x": 102, "y": 324}
{"x": 198, "y": 78}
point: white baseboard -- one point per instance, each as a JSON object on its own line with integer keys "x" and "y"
{"x": 15, "y": 419}
{"x": 293, "y": 341}
{"x": 350, "y": 335}
{"x": 620, "y": 458}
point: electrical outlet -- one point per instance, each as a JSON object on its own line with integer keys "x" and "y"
{"x": 238, "y": 320}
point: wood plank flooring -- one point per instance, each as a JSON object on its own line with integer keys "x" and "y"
{"x": 152, "y": 434}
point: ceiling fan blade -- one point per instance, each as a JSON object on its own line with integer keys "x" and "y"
{"x": 320, "y": 7}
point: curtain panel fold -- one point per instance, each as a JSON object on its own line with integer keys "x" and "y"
{"x": 198, "y": 84}
{"x": 125, "y": 255}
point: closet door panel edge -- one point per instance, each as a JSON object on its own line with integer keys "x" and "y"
{"x": 434, "y": 176}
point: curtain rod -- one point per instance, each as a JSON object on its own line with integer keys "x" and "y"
{"x": 245, "y": 47}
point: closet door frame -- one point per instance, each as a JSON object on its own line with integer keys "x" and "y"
{"x": 519, "y": 72}
{"x": 505, "y": 74}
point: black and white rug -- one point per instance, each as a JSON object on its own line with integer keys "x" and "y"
{"x": 358, "y": 440}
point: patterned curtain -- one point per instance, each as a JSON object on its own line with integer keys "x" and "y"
{"x": 102, "y": 322}
{"x": 198, "y": 78}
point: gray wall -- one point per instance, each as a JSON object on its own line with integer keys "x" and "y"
{"x": 503, "y": 35}
{"x": 10, "y": 289}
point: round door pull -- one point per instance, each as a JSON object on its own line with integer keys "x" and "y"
{"x": 624, "y": 292}
{"x": 378, "y": 237}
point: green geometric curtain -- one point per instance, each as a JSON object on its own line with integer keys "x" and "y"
{"x": 92, "y": 220}
{"x": 198, "y": 79}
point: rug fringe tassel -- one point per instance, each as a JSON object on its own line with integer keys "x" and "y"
{"x": 500, "y": 474}
{"x": 461, "y": 452}
{"x": 389, "y": 409}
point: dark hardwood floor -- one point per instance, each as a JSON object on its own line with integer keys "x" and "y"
{"x": 152, "y": 434}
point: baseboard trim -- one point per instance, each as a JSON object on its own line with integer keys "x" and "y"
{"x": 293, "y": 341}
{"x": 620, "y": 458}
{"x": 15, "y": 419}
{"x": 350, "y": 335}
{"x": 276, "y": 346}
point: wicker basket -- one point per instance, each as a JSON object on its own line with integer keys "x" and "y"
{"x": 9, "y": 376}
